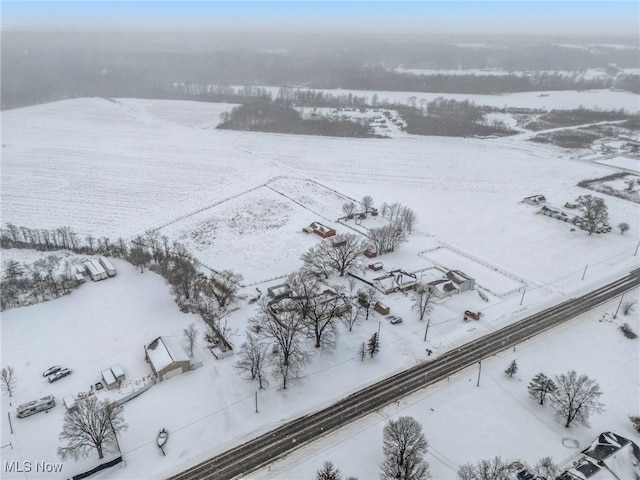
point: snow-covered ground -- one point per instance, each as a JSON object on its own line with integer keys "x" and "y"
{"x": 239, "y": 200}
{"x": 546, "y": 100}
{"x": 465, "y": 423}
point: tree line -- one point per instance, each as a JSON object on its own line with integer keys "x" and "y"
{"x": 278, "y": 116}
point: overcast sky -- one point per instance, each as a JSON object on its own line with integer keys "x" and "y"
{"x": 430, "y": 17}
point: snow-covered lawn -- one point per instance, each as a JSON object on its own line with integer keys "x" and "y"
{"x": 627, "y": 163}
{"x": 465, "y": 423}
{"x": 239, "y": 200}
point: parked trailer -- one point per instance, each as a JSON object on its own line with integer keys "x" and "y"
{"x": 108, "y": 266}
{"x": 95, "y": 270}
{"x": 35, "y": 406}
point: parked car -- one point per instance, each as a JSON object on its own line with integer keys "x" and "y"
{"x": 98, "y": 386}
{"x": 51, "y": 370}
{"x": 394, "y": 320}
{"x": 60, "y": 374}
{"x": 469, "y": 314}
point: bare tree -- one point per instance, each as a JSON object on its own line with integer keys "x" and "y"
{"x": 8, "y": 379}
{"x": 367, "y": 203}
{"x": 594, "y": 211}
{"x": 352, "y": 317}
{"x": 223, "y": 287}
{"x": 220, "y": 331}
{"x": 285, "y": 331}
{"x": 13, "y": 271}
{"x": 316, "y": 262}
{"x": 421, "y": 297}
{"x": 495, "y": 469}
{"x": 362, "y": 351}
{"x": 408, "y": 219}
{"x": 387, "y": 238}
{"x": 367, "y": 300}
{"x": 340, "y": 253}
{"x": 404, "y": 447}
{"x": 318, "y": 307}
{"x": 191, "y": 336}
{"x": 576, "y": 398}
{"x": 349, "y": 208}
{"x": 93, "y": 424}
{"x": 182, "y": 276}
{"x": 623, "y": 227}
{"x": 541, "y": 386}
{"x": 253, "y": 359}
{"x": 138, "y": 254}
{"x": 328, "y": 472}
{"x": 546, "y": 469}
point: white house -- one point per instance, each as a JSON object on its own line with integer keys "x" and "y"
{"x": 609, "y": 456}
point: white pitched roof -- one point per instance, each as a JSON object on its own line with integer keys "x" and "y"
{"x": 164, "y": 351}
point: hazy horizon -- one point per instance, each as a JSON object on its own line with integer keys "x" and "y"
{"x": 566, "y": 18}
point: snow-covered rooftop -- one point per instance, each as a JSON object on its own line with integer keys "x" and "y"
{"x": 164, "y": 351}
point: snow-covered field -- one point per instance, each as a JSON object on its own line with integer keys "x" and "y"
{"x": 239, "y": 200}
{"x": 547, "y": 100}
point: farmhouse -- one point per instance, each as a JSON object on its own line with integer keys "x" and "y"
{"x": 320, "y": 230}
{"x": 394, "y": 281}
{"x": 609, "y": 456}
{"x": 535, "y": 200}
{"x": 166, "y": 357}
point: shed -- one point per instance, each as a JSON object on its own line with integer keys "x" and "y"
{"x": 109, "y": 379}
{"x": 381, "y": 308}
{"x": 118, "y": 373}
{"x": 535, "y": 200}
{"x": 166, "y": 357}
{"x": 278, "y": 291}
{"x": 69, "y": 403}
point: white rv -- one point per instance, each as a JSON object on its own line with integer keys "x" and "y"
{"x": 35, "y": 406}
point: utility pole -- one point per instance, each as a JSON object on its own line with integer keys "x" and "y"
{"x": 521, "y": 299}
{"x": 256, "y": 401}
{"x": 479, "y": 372}
{"x": 427, "y": 329}
{"x": 615, "y": 315}
{"x": 585, "y": 271}
{"x": 636, "y": 252}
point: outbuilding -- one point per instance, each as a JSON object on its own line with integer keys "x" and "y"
{"x": 108, "y": 379}
{"x": 535, "y": 200}
{"x": 166, "y": 357}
